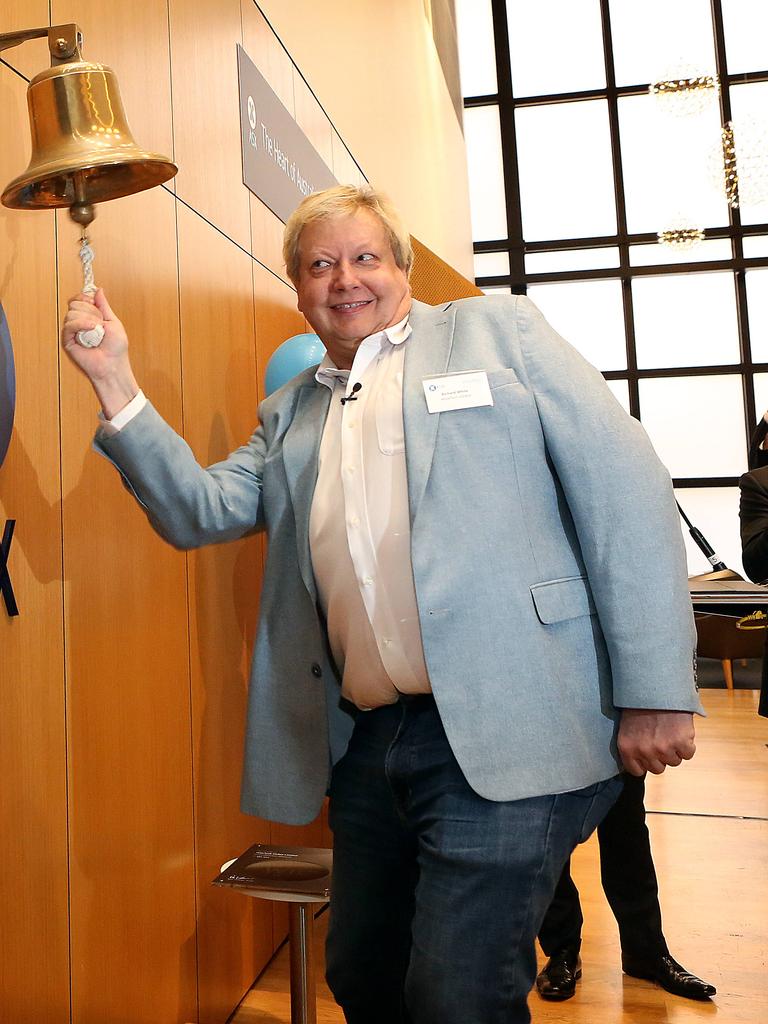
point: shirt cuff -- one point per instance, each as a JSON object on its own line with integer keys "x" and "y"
{"x": 124, "y": 417}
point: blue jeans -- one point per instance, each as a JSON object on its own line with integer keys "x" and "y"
{"x": 438, "y": 893}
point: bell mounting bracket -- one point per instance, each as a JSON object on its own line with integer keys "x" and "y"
{"x": 64, "y": 41}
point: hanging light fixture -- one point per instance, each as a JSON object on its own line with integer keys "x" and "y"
{"x": 744, "y": 167}
{"x": 686, "y": 93}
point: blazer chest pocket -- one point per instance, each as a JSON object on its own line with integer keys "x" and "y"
{"x": 562, "y": 599}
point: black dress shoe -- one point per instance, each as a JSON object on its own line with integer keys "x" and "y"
{"x": 670, "y": 975}
{"x": 558, "y": 979}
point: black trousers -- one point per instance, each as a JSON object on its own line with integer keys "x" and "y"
{"x": 629, "y": 883}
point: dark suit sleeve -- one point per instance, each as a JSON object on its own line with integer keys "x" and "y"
{"x": 753, "y": 512}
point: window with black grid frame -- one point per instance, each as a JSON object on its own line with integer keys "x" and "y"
{"x": 576, "y": 166}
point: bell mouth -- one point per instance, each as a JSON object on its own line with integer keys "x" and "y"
{"x": 53, "y": 186}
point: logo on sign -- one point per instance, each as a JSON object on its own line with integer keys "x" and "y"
{"x": 252, "y": 121}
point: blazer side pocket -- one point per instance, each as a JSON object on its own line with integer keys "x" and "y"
{"x": 501, "y": 378}
{"x": 562, "y": 599}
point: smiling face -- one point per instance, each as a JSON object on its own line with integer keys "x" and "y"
{"x": 349, "y": 285}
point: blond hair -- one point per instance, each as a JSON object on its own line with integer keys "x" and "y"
{"x": 343, "y": 201}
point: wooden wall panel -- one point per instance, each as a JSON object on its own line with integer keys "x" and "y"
{"x": 129, "y": 723}
{"x": 277, "y": 317}
{"x": 312, "y": 120}
{"x": 34, "y": 956}
{"x": 206, "y": 113}
{"x": 344, "y": 167}
{"x": 267, "y": 53}
{"x": 31, "y": 57}
{"x": 267, "y": 235}
{"x": 220, "y": 398}
{"x": 133, "y": 41}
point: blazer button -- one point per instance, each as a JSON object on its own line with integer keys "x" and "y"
{"x": 316, "y": 670}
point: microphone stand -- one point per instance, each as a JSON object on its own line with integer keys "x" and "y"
{"x": 720, "y": 570}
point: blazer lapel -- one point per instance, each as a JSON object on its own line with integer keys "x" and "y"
{"x": 301, "y": 449}
{"x": 427, "y": 353}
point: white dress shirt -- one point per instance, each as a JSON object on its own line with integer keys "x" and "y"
{"x": 360, "y": 535}
{"x": 359, "y": 531}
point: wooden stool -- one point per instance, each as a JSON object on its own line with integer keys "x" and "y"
{"x": 301, "y": 877}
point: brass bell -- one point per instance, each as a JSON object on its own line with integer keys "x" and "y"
{"x": 83, "y": 151}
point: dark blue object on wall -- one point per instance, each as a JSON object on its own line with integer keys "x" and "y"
{"x": 7, "y": 386}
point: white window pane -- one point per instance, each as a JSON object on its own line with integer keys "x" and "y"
{"x": 757, "y": 305}
{"x": 568, "y": 59}
{"x": 659, "y": 255}
{"x": 714, "y": 511}
{"x": 746, "y": 28}
{"x": 566, "y": 178}
{"x": 669, "y": 167}
{"x": 652, "y": 40}
{"x": 620, "y": 389}
{"x": 491, "y": 264}
{"x": 755, "y": 245}
{"x": 571, "y": 259}
{"x": 749, "y": 114}
{"x": 501, "y": 289}
{"x": 588, "y": 314}
{"x": 696, "y": 424}
{"x": 477, "y": 53}
{"x": 486, "y": 177}
{"x": 685, "y": 320}
{"x": 761, "y": 394}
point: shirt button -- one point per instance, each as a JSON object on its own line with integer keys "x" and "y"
{"x": 316, "y": 670}
{"x": 350, "y": 470}
{"x": 386, "y": 641}
{"x": 368, "y": 581}
{"x": 354, "y": 521}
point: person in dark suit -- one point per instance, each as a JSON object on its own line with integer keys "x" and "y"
{"x": 629, "y": 883}
{"x": 753, "y": 512}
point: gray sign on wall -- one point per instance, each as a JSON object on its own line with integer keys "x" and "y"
{"x": 280, "y": 165}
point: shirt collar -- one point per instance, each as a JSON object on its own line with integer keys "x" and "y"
{"x": 328, "y": 373}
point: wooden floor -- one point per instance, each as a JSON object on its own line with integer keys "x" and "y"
{"x": 709, "y": 827}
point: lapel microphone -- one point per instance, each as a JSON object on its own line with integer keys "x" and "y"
{"x": 353, "y": 396}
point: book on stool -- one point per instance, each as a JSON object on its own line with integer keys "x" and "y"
{"x": 294, "y": 874}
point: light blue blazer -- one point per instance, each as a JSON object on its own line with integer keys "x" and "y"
{"x": 547, "y": 558}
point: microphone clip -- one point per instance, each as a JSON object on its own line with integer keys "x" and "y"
{"x": 352, "y": 397}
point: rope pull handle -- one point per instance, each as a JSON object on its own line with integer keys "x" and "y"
{"x": 94, "y": 337}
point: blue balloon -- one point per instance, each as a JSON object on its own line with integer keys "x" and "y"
{"x": 290, "y": 358}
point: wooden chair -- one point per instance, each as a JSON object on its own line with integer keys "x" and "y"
{"x": 720, "y": 637}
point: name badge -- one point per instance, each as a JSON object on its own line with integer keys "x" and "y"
{"x": 457, "y": 391}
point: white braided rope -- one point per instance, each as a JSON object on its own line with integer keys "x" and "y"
{"x": 92, "y": 338}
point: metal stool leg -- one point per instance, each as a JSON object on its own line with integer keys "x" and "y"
{"x": 301, "y": 948}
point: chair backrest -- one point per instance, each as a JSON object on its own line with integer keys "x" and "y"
{"x": 719, "y": 638}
